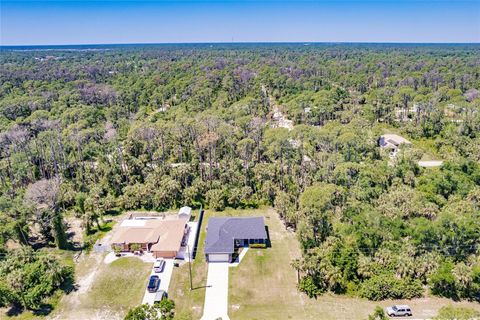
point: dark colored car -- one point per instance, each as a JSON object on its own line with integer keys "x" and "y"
{"x": 153, "y": 284}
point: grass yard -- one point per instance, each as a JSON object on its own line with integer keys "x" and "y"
{"x": 120, "y": 286}
{"x": 106, "y": 291}
{"x": 263, "y": 286}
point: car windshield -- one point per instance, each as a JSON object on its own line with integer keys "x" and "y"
{"x": 394, "y": 308}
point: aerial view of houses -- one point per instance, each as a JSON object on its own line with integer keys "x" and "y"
{"x": 244, "y": 160}
{"x": 226, "y": 234}
{"x": 162, "y": 238}
{"x": 392, "y": 143}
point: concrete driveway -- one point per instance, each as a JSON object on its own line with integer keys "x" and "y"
{"x": 216, "y": 294}
{"x": 165, "y": 278}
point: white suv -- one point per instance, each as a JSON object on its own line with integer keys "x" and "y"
{"x": 399, "y": 311}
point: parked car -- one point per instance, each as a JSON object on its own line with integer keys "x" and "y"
{"x": 399, "y": 311}
{"x": 153, "y": 284}
{"x": 159, "y": 265}
{"x": 160, "y": 295}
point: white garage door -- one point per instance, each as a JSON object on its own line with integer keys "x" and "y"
{"x": 218, "y": 257}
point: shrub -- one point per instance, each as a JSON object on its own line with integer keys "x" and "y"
{"x": 215, "y": 199}
{"x": 161, "y": 311}
{"x": 29, "y": 278}
{"x": 460, "y": 313}
{"x": 442, "y": 282}
{"x": 475, "y": 287}
{"x": 378, "y": 314}
{"x": 135, "y": 247}
{"x": 117, "y": 249}
{"x": 308, "y": 285}
{"x": 386, "y": 286}
{"x": 257, "y": 245}
{"x": 7, "y": 296}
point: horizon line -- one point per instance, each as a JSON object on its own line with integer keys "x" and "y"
{"x": 235, "y": 42}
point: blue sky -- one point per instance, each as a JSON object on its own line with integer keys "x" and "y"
{"x": 91, "y": 22}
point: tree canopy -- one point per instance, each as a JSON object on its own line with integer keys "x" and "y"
{"x": 85, "y": 133}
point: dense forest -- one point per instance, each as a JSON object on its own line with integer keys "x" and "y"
{"x": 87, "y": 132}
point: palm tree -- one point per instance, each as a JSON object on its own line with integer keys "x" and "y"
{"x": 463, "y": 275}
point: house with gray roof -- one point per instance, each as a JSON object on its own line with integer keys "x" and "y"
{"x": 392, "y": 142}
{"x": 226, "y": 234}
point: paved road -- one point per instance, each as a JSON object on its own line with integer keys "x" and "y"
{"x": 216, "y": 295}
{"x": 165, "y": 277}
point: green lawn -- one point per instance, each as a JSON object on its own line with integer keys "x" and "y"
{"x": 121, "y": 285}
{"x": 106, "y": 291}
{"x": 263, "y": 286}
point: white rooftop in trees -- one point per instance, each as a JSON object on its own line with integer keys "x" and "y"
{"x": 392, "y": 141}
{"x": 430, "y": 163}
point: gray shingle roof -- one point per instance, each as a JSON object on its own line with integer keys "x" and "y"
{"x": 222, "y": 231}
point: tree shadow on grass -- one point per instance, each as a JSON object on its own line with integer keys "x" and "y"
{"x": 14, "y": 311}
{"x": 44, "y": 310}
{"x": 69, "y": 285}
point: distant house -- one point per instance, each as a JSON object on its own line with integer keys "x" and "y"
{"x": 430, "y": 163}
{"x": 225, "y": 234}
{"x": 392, "y": 142}
{"x": 414, "y": 108}
{"x": 163, "y": 238}
{"x": 185, "y": 213}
